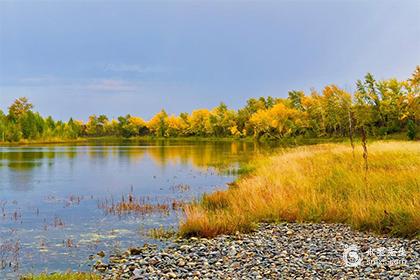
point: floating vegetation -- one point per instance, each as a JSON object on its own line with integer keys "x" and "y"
{"x": 162, "y": 233}
{"x": 69, "y": 243}
{"x": 3, "y": 208}
{"x": 181, "y": 188}
{"x": 58, "y": 222}
{"x": 139, "y": 205}
{"x": 73, "y": 200}
{"x": 15, "y": 215}
{"x": 42, "y": 246}
{"x": 9, "y": 254}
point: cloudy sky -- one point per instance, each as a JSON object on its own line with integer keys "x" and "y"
{"x": 74, "y": 58}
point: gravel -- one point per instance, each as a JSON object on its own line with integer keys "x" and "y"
{"x": 274, "y": 251}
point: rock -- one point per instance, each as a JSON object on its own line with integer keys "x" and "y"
{"x": 135, "y": 251}
{"x": 101, "y": 254}
{"x": 184, "y": 247}
{"x": 153, "y": 261}
{"x": 283, "y": 251}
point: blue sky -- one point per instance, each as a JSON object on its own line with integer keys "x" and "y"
{"x": 73, "y": 58}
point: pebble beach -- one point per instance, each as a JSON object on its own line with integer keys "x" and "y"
{"x": 273, "y": 251}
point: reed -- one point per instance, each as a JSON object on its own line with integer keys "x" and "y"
{"x": 139, "y": 205}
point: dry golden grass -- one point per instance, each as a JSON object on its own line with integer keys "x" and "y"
{"x": 320, "y": 183}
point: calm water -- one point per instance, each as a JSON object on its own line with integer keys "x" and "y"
{"x": 54, "y": 198}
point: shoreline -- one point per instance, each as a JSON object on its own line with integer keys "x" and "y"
{"x": 285, "y": 250}
{"x": 119, "y": 139}
{"x": 292, "y": 140}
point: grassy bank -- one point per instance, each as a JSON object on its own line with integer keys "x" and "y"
{"x": 320, "y": 183}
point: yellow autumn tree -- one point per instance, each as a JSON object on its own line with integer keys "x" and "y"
{"x": 278, "y": 121}
{"x": 158, "y": 124}
{"x": 175, "y": 126}
{"x": 200, "y": 122}
{"x": 336, "y": 104}
{"x": 312, "y": 105}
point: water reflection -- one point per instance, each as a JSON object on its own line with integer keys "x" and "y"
{"x": 49, "y": 195}
{"x": 200, "y": 155}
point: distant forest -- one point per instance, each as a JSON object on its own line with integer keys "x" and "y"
{"x": 378, "y": 107}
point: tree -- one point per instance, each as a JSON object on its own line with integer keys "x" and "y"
{"x": 336, "y": 105}
{"x": 378, "y": 107}
{"x": 222, "y": 120}
{"x": 242, "y": 121}
{"x": 278, "y": 121}
{"x": 185, "y": 124}
{"x": 313, "y": 106}
{"x": 158, "y": 124}
{"x": 393, "y": 97}
{"x": 28, "y": 125}
{"x": 73, "y": 129}
{"x": 368, "y": 99}
{"x": 411, "y": 130}
{"x": 200, "y": 122}
{"x": 137, "y": 125}
{"x": 295, "y": 99}
{"x": 127, "y": 126}
{"x": 415, "y": 78}
{"x": 175, "y": 126}
{"x": 2, "y": 126}
{"x": 19, "y": 107}
{"x": 92, "y": 126}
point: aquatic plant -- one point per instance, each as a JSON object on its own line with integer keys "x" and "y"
{"x": 139, "y": 205}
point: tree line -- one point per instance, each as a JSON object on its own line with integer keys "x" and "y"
{"x": 378, "y": 107}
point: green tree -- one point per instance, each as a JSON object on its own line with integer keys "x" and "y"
{"x": 336, "y": 105}
{"x": 411, "y": 130}
{"x": 295, "y": 99}
{"x": 28, "y": 125}
{"x": 3, "y": 124}
{"x": 222, "y": 119}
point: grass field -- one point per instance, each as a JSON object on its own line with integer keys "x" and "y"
{"x": 320, "y": 183}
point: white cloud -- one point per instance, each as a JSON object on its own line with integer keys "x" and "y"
{"x": 134, "y": 68}
{"x": 89, "y": 85}
{"x": 111, "y": 85}
{"x": 38, "y": 79}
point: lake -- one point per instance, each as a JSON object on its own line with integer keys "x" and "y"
{"x": 59, "y": 203}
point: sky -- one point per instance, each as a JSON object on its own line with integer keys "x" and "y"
{"x": 77, "y": 58}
